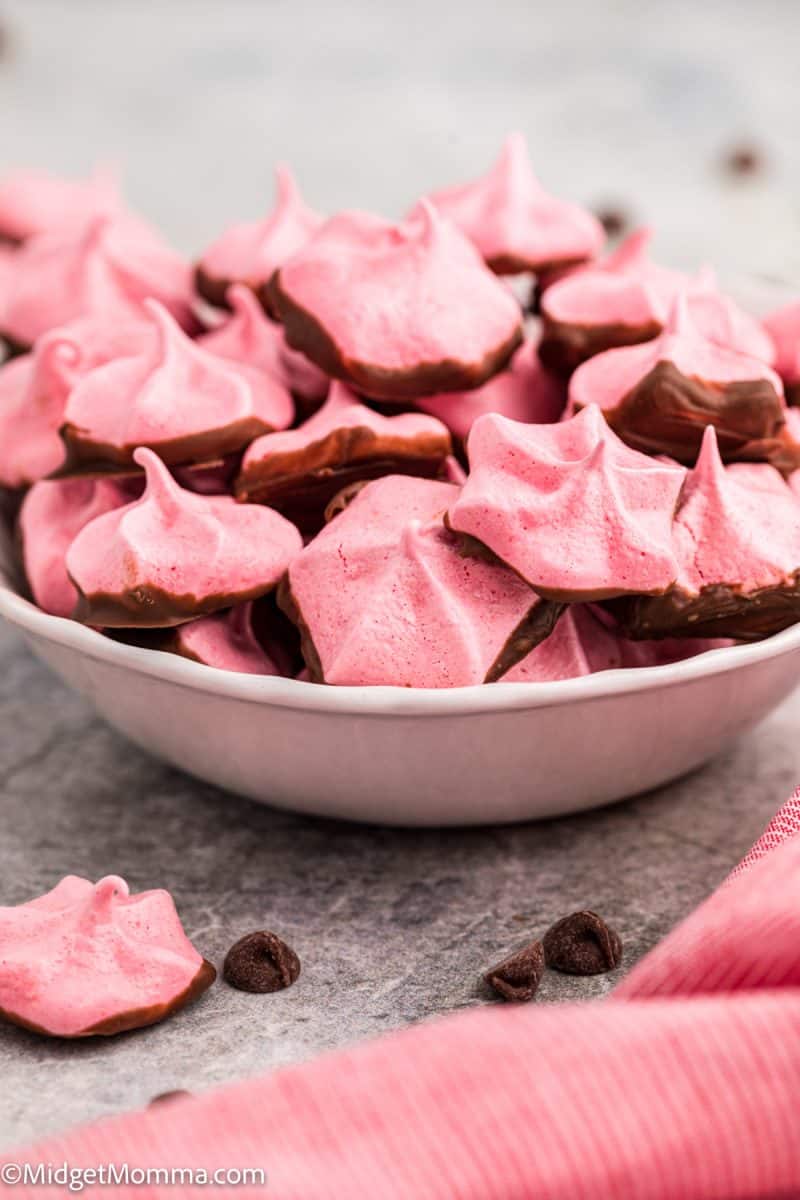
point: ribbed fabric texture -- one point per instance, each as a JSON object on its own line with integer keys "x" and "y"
{"x": 685, "y": 1085}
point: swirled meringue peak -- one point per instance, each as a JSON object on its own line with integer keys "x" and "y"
{"x": 100, "y": 266}
{"x": 525, "y": 391}
{"x": 250, "y": 253}
{"x": 514, "y": 223}
{"x": 90, "y": 958}
{"x": 34, "y": 202}
{"x": 174, "y": 555}
{"x": 251, "y": 338}
{"x": 300, "y": 470}
{"x": 572, "y": 509}
{"x": 620, "y": 300}
{"x": 52, "y": 514}
{"x": 396, "y": 311}
{"x": 175, "y": 397}
{"x": 783, "y": 327}
{"x": 660, "y": 396}
{"x": 737, "y": 538}
{"x": 383, "y": 596}
{"x": 228, "y": 640}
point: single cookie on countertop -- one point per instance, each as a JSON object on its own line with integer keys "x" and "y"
{"x": 91, "y": 959}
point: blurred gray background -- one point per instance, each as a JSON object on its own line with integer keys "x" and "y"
{"x": 624, "y": 103}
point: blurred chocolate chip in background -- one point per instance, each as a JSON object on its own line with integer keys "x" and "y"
{"x": 614, "y": 219}
{"x": 744, "y": 158}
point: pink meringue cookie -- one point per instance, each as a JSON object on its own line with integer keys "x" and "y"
{"x": 621, "y": 300}
{"x": 525, "y": 391}
{"x": 228, "y": 640}
{"x": 34, "y": 202}
{"x": 52, "y": 514}
{"x": 515, "y": 224}
{"x": 299, "y": 470}
{"x": 721, "y": 320}
{"x": 250, "y": 253}
{"x": 175, "y": 397}
{"x": 783, "y": 327}
{"x": 87, "y": 959}
{"x": 570, "y": 507}
{"x": 397, "y": 311}
{"x": 174, "y": 555}
{"x": 737, "y": 539}
{"x": 582, "y": 643}
{"x": 660, "y": 396}
{"x": 103, "y": 267}
{"x": 383, "y": 596}
{"x": 34, "y": 389}
{"x": 250, "y": 337}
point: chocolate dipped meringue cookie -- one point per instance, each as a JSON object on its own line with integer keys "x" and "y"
{"x": 737, "y": 540}
{"x": 249, "y": 336}
{"x": 299, "y": 471}
{"x": 396, "y": 311}
{"x": 34, "y": 202}
{"x": 103, "y": 267}
{"x": 177, "y": 398}
{"x": 91, "y": 959}
{"x": 525, "y": 391}
{"x": 250, "y": 253}
{"x": 243, "y": 639}
{"x": 783, "y": 327}
{"x": 383, "y": 596}
{"x": 173, "y": 555}
{"x": 569, "y": 507}
{"x": 53, "y": 513}
{"x": 514, "y": 223}
{"x": 659, "y": 397}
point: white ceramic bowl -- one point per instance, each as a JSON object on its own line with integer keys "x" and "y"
{"x": 500, "y": 752}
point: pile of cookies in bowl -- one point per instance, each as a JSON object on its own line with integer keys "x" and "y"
{"x": 473, "y": 445}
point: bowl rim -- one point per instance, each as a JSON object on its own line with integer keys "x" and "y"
{"x": 384, "y": 701}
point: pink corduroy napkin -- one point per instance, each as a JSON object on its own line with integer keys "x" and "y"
{"x": 685, "y": 1085}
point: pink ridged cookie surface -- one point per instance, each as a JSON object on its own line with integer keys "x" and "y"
{"x": 174, "y": 555}
{"x": 249, "y": 252}
{"x": 34, "y": 202}
{"x": 249, "y": 336}
{"x": 52, "y": 514}
{"x": 515, "y": 224}
{"x": 91, "y": 958}
{"x": 383, "y": 596}
{"x": 570, "y": 507}
{"x": 397, "y": 311}
{"x": 102, "y": 266}
{"x": 175, "y": 397}
{"x": 525, "y": 391}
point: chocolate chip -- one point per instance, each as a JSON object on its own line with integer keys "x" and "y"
{"x": 744, "y": 159}
{"x": 261, "y": 962}
{"x": 166, "y": 1097}
{"x": 518, "y": 976}
{"x": 582, "y": 944}
{"x": 614, "y": 220}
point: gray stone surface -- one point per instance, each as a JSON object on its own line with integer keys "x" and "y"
{"x": 373, "y": 102}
